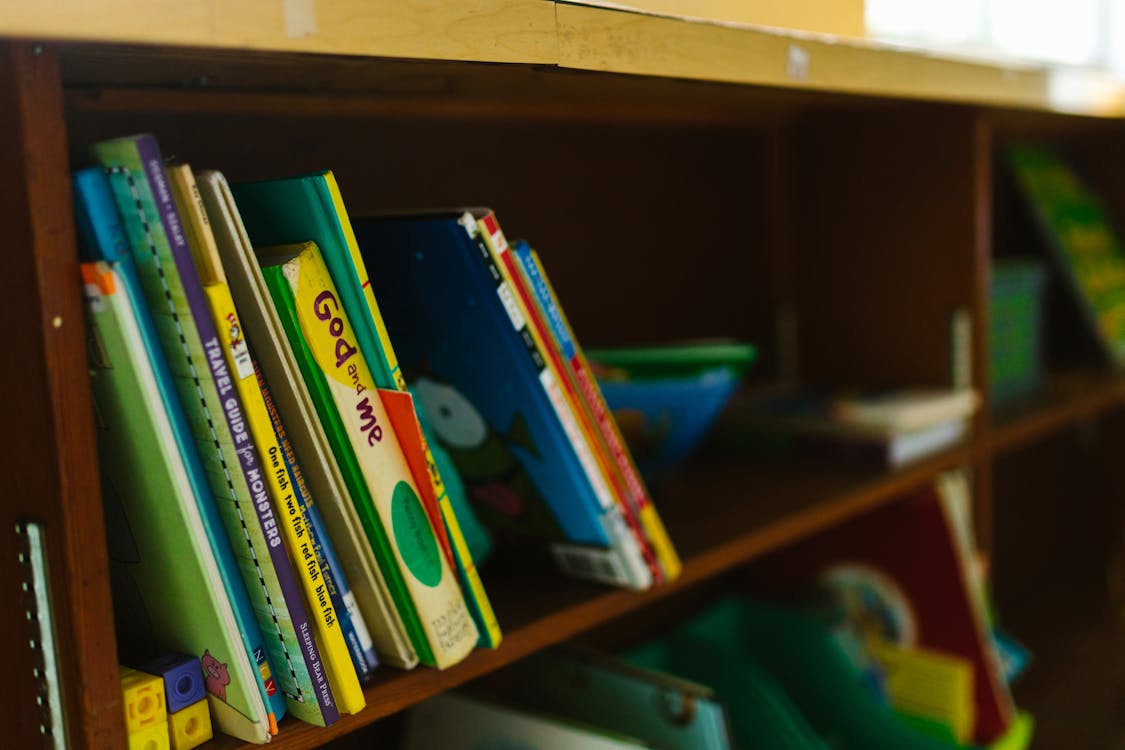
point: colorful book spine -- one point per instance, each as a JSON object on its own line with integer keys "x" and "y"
{"x": 352, "y": 622}
{"x": 377, "y": 472}
{"x": 320, "y": 469}
{"x": 625, "y": 537}
{"x": 642, "y": 504}
{"x": 281, "y": 614}
{"x": 188, "y": 338}
{"x": 277, "y": 213}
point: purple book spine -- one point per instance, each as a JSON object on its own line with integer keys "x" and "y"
{"x": 232, "y": 410}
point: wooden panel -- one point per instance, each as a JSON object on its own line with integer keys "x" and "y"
{"x": 624, "y": 42}
{"x": 763, "y": 507}
{"x": 650, "y": 233}
{"x": 890, "y": 235}
{"x": 838, "y": 17}
{"x": 486, "y": 30}
{"x": 48, "y": 455}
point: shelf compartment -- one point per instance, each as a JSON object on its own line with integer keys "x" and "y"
{"x": 1066, "y": 399}
{"x": 755, "y": 509}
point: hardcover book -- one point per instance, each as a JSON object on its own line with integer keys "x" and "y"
{"x": 464, "y": 347}
{"x": 191, "y": 347}
{"x": 377, "y": 473}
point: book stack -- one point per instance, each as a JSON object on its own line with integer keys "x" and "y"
{"x": 278, "y": 506}
{"x": 890, "y": 428}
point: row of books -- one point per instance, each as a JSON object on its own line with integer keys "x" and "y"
{"x": 279, "y": 503}
{"x": 872, "y": 635}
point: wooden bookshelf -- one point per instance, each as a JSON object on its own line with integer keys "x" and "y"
{"x": 767, "y": 506}
{"x": 732, "y": 180}
{"x": 1067, "y": 398}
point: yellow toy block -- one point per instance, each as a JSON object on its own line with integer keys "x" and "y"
{"x": 190, "y": 727}
{"x": 143, "y": 697}
{"x": 152, "y": 737}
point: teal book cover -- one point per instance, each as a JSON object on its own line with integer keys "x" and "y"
{"x": 193, "y": 351}
{"x": 168, "y": 589}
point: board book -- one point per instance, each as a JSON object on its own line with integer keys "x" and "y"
{"x": 311, "y": 208}
{"x": 376, "y": 472}
{"x": 320, "y": 469}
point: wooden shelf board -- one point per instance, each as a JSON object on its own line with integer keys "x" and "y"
{"x": 1067, "y": 398}
{"x": 755, "y": 509}
{"x": 571, "y": 36}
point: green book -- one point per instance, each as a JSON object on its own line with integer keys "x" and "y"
{"x": 168, "y": 590}
{"x": 352, "y": 411}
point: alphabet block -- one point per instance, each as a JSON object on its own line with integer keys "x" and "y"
{"x": 190, "y": 727}
{"x": 143, "y": 697}
{"x": 152, "y": 737}
{"x": 183, "y": 679}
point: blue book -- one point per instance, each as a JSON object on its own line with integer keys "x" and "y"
{"x": 473, "y": 366}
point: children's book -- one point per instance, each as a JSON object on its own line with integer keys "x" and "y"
{"x": 311, "y": 208}
{"x": 457, "y": 332}
{"x": 571, "y": 405}
{"x": 168, "y": 589}
{"x": 591, "y": 688}
{"x": 896, "y": 573}
{"x": 552, "y": 311}
{"x": 255, "y": 435}
{"x": 193, "y": 351}
{"x": 453, "y": 722}
{"x": 1080, "y": 238}
{"x": 319, "y": 468}
{"x": 355, "y": 420}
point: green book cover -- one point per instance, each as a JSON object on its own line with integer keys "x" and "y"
{"x": 424, "y": 588}
{"x": 168, "y": 590}
{"x": 1080, "y": 235}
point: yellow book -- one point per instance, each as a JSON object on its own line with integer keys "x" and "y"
{"x": 929, "y": 685}
{"x": 326, "y": 627}
{"x": 486, "y": 617}
{"x": 375, "y": 469}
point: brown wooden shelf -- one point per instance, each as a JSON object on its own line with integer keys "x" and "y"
{"x": 721, "y": 516}
{"x": 1068, "y": 398}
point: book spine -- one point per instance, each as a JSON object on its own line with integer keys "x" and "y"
{"x": 268, "y": 497}
{"x": 621, "y": 539}
{"x": 335, "y": 431}
{"x": 351, "y": 620}
{"x": 153, "y": 166}
{"x": 449, "y": 628}
{"x": 578, "y": 400}
{"x": 642, "y": 504}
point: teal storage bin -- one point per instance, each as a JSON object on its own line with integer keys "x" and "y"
{"x": 1016, "y": 328}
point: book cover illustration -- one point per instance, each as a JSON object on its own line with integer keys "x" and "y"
{"x": 320, "y": 471}
{"x": 160, "y": 555}
{"x": 355, "y": 420}
{"x": 479, "y": 384}
{"x": 259, "y": 517}
{"x": 190, "y": 344}
{"x": 311, "y": 208}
